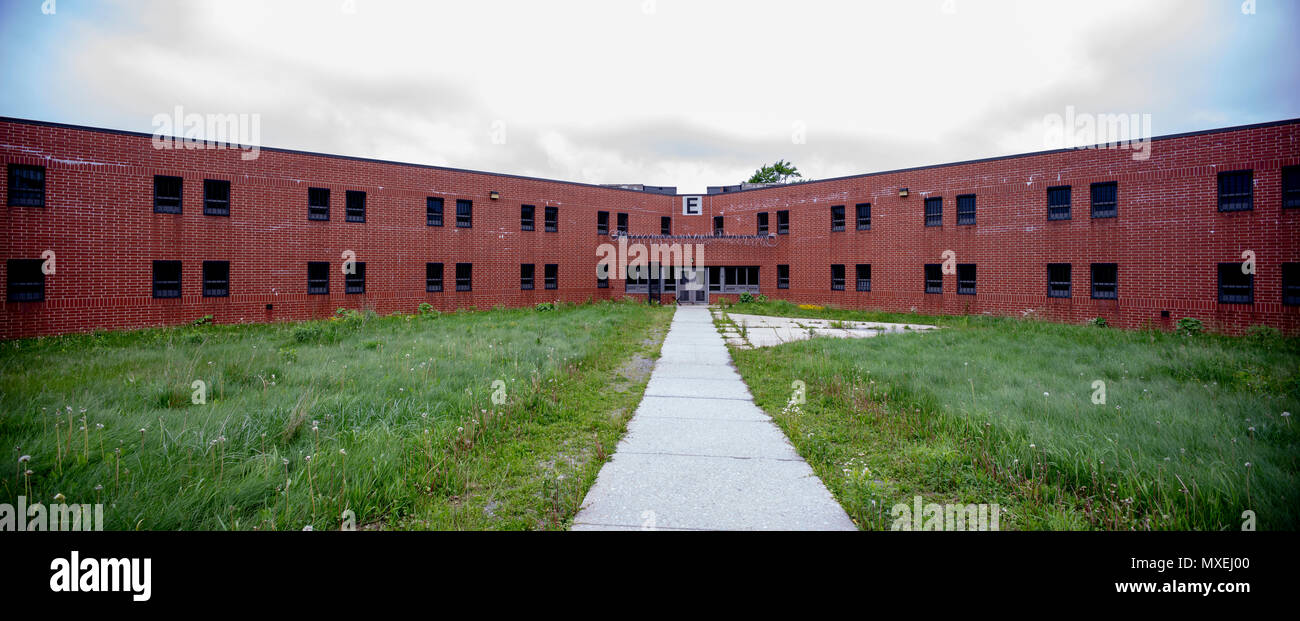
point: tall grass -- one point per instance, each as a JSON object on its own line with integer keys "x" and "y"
{"x": 1191, "y": 434}
{"x": 382, "y": 417}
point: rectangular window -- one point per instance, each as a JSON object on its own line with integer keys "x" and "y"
{"x": 864, "y": 277}
{"x": 552, "y": 219}
{"x": 355, "y": 206}
{"x": 1235, "y": 287}
{"x": 166, "y": 279}
{"x": 1105, "y": 281}
{"x": 602, "y": 280}
{"x": 665, "y": 225}
{"x": 216, "y": 279}
{"x": 966, "y": 209}
{"x": 1291, "y": 284}
{"x": 734, "y": 279}
{"x": 216, "y": 197}
{"x": 166, "y": 194}
{"x": 464, "y": 214}
{"x": 864, "y": 216}
{"x": 966, "y": 279}
{"x": 638, "y": 279}
{"x": 837, "y": 218}
{"x": 356, "y": 281}
{"x": 1237, "y": 190}
{"x": 934, "y": 211}
{"x": 1105, "y": 199}
{"x": 433, "y": 211}
{"x": 552, "y": 275}
{"x": 526, "y": 273}
{"x": 762, "y": 223}
{"x": 783, "y": 222}
{"x": 1290, "y": 187}
{"x": 837, "y": 277}
{"x": 933, "y": 278}
{"x": 715, "y": 278}
{"x": 433, "y": 277}
{"x": 717, "y": 226}
{"x": 318, "y": 203}
{"x": 464, "y": 276}
{"x": 602, "y": 223}
{"x": 622, "y": 223}
{"x": 318, "y": 278}
{"x": 26, "y": 280}
{"x": 1058, "y": 280}
{"x": 26, "y": 185}
{"x": 526, "y": 217}
{"x": 1058, "y": 203}
{"x": 783, "y": 277}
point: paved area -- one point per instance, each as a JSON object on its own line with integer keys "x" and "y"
{"x": 700, "y": 455}
{"x": 764, "y": 331}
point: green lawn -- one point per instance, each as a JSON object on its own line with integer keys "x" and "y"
{"x": 390, "y": 418}
{"x": 997, "y": 410}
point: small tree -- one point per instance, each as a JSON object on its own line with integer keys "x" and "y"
{"x": 780, "y": 172}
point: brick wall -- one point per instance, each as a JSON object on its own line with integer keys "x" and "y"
{"x": 1167, "y": 239}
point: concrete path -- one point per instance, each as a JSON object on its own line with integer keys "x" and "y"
{"x": 700, "y": 455}
{"x": 764, "y": 331}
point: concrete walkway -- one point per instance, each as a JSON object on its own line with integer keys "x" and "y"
{"x": 765, "y": 331}
{"x": 700, "y": 455}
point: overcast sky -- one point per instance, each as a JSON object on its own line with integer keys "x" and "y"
{"x": 664, "y": 92}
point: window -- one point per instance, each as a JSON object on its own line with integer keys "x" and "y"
{"x": 602, "y": 280}
{"x": 433, "y": 211}
{"x": 966, "y": 209}
{"x": 464, "y": 214}
{"x": 216, "y": 279}
{"x": 464, "y": 276}
{"x": 864, "y": 277}
{"x": 864, "y": 216}
{"x": 1234, "y": 286}
{"x": 717, "y": 226}
{"x": 318, "y": 278}
{"x": 738, "y": 279}
{"x": 783, "y": 222}
{"x": 1058, "y": 280}
{"x": 526, "y": 272}
{"x": 638, "y": 279}
{"x": 318, "y": 203}
{"x": 216, "y": 197}
{"x": 166, "y": 279}
{"x": 934, "y": 211}
{"x": 552, "y": 275}
{"x": 715, "y": 278}
{"x": 966, "y": 279}
{"x": 355, "y": 206}
{"x": 783, "y": 277}
{"x": 26, "y": 185}
{"x": 1236, "y": 191}
{"x": 1105, "y": 199}
{"x": 1105, "y": 281}
{"x": 837, "y": 218}
{"x": 166, "y": 194}
{"x": 622, "y": 223}
{"x": 665, "y": 225}
{"x": 762, "y": 223}
{"x": 526, "y": 217}
{"x": 602, "y": 223}
{"x": 433, "y": 277}
{"x": 933, "y": 278}
{"x": 356, "y": 281}
{"x": 552, "y": 219}
{"x": 1290, "y": 187}
{"x": 1058, "y": 203}
{"x": 26, "y": 280}
{"x": 1291, "y": 284}
{"x": 837, "y": 277}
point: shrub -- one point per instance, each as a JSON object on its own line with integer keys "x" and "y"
{"x": 427, "y": 310}
{"x": 1189, "y": 326}
{"x": 544, "y": 307}
{"x": 204, "y": 320}
{"x": 762, "y": 298}
{"x": 746, "y": 298}
{"x": 308, "y": 332}
{"x": 1100, "y": 322}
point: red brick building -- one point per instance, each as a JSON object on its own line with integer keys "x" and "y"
{"x": 102, "y": 230}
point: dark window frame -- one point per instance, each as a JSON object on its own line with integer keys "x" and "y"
{"x": 354, "y": 206}
{"x": 1059, "y": 201}
{"x": 862, "y": 276}
{"x": 464, "y": 213}
{"x": 934, "y": 211}
{"x": 355, "y": 283}
{"x": 433, "y": 273}
{"x": 551, "y": 219}
{"x": 1104, "y": 198}
{"x": 433, "y": 210}
{"x": 665, "y": 225}
{"x": 316, "y": 209}
{"x": 966, "y": 283}
{"x": 551, "y": 276}
{"x": 966, "y": 208}
{"x": 602, "y": 223}
{"x": 1291, "y": 284}
{"x": 215, "y": 205}
{"x": 213, "y": 285}
{"x": 1290, "y": 187}
{"x": 783, "y": 279}
{"x": 527, "y": 218}
{"x": 164, "y": 287}
{"x": 168, "y": 203}
{"x": 783, "y": 222}
{"x": 1236, "y": 190}
{"x": 1231, "y": 293}
{"x": 527, "y": 276}
{"x": 862, "y": 211}
{"x": 762, "y": 223}
{"x": 1102, "y": 289}
{"x": 318, "y": 284}
{"x": 25, "y": 280}
{"x": 465, "y": 282}
{"x": 837, "y": 218}
{"x": 934, "y": 278}
{"x": 27, "y": 183}
{"x": 837, "y": 276}
{"x": 1056, "y": 286}
{"x": 622, "y": 222}
{"x": 719, "y": 226}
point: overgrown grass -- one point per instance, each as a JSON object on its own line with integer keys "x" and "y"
{"x": 390, "y": 418}
{"x": 987, "y": 410}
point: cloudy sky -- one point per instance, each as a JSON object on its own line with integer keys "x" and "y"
{"x": 665, "y": 92}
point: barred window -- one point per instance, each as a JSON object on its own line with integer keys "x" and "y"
{"x": 1105, "y": 199}
{"x": 864, "y": 276}
{"x": 166, "y": 194}
{"x": 783, "y": 222}
{"x": 1058, "y": 203}
{"x": 602, "y": 223}
{"x": 934, "y": 211}
{"x": 318, "y": 203}
{"x": 433, "y": 211}
{"x": 216, "y": 279}
{"x": 216, "y": 197}
{"x": 356, "y": 281}
{"x": 762, "y": 223}
{"x": 864, "y": 216}
{"x": 966, "y": 279}
{"x": 1236, "y": 190}
{"x": 166, "y": 279}
{"x": 526, "y": 217}
{"x": 433, "y": 277}
{"x": 1291, "y": 187}
{"x": 1105, "y": 281}
{"x": 837, "y": 277}
{"x": 933, "y": 278}
{"x": 552, "y": 219}
{"x": 665, "y": 225}
{"x": 26, "y": 185}
{"x": 464, "y": 276}
{"x": 355, "y": 206}
{"x": 526, "y": 272}
{"x": 318, "y": 278}
{"x": 837, "y": 218}
{"x": 622, "y": 223}
{"x": 552, "y": 275}
{"x": 464, "y": 214}
{"x": 717, "y": 226}
{"x": 1058, "y": 280}
{"x": 1291, "y": 284}
{"x": 1235, "y": 287}
{"x": 783, "y": 277}
{"x": 26, "y": 280}
{"x": 966, "y": 209}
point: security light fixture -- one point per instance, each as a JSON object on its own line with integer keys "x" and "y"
{"x": 494, "y": 195}
{"x": 902, "y": 192}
